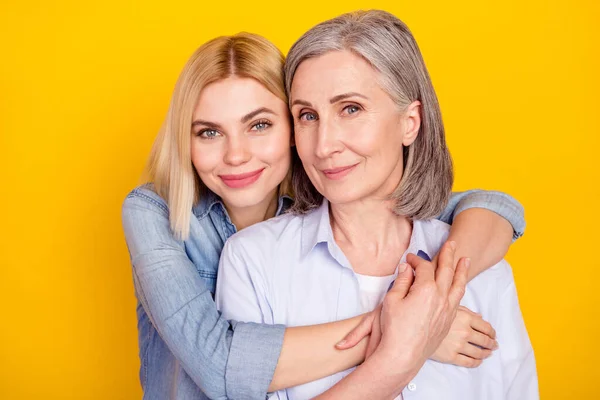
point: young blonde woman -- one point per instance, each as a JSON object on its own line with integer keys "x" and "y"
{"x": 374, "y": 172}
{"x": 221, "y": 163}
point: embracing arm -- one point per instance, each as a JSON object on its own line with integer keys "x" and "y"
{"x": 224, "y": 359}
{"x": 484, "y": 223}
{"x": 181, "y": 308}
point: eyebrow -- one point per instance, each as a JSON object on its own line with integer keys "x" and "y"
{"x": 254, "y": 113}
{"x": 211, "y": 125}
{"x": 302, "y": 103}
{"x": 333, "y": 100}
{"x": 343, "y": 96}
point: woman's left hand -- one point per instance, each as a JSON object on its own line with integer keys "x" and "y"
{"x": 470, "y": 341}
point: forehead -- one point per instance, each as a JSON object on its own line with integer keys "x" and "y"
{"x": 234, "y": 97}
{"x": 335, "y": 71}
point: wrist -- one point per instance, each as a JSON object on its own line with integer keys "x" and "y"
{"x": 393, "y": 372}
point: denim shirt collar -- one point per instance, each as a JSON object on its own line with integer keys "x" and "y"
{"x": 208, "y": 200}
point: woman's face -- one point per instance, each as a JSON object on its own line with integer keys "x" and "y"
{"x": 349, "y": 133}
{"x": 241, "y": 141}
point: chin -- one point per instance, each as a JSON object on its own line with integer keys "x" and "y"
{"x": 341, "y": 196}
{"x": 243, "y": 199}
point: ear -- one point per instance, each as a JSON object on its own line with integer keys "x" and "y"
{"x": 412, "y": 122}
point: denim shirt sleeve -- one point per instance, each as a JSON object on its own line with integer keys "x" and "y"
{"x": 218, "y": 355}
{"x": 498, "y": 202}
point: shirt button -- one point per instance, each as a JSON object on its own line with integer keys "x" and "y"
{"x": 412, "y": 386}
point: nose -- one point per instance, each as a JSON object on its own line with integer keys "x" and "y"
{"x": 237, "y": 152}
{"x": 328, "y": 140}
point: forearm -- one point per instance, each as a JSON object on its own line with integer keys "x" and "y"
{"x": 373, "y": 380}
{"x": 481, "y": 235}
{"x": 309, "y": 353}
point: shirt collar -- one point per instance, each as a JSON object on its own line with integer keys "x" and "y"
{"x": 316, "y": 228}
{"x": 209, "y": 199}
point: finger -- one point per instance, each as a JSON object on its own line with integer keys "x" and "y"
{"x": 482, "y": 340}
{"x": 475, "y": 352}
{"x": 479, "y": 324}
{"x": 403, "y": 281}
{"x": 358, "y": 333}
{"x": 457, "y": 290}
{"x": 465, "y": 361}
{"x": 424, "y": 271}
{"x": 373, "y": 340}
{"x": 445, "y": 269}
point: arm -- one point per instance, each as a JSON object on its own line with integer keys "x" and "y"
{"x": 218, "y": 355}
{"x": 308, "y": 352}
{"x": 483, "y": 226}
{"x": 182, "y": 310}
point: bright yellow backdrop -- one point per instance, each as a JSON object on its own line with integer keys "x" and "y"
{"x": 83, "y": 90}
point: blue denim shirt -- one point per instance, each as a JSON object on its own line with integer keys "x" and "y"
{"x": 187, "y": 350}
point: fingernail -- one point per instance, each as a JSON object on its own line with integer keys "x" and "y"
{"x": 341, "y": 342}
{"x": 402, "y": 267}
{"x": 452, "y": 245}
{"x": 468, "y": 262}
{"x": 496, "y": 346}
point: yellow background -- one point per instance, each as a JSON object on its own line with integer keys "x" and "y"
{"x": 84, "y": 88}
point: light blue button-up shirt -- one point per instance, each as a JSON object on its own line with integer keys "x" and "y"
{"x": 289, "y": 270}
{"x": 187, "y": 349}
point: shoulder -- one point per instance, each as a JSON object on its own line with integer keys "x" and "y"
{"x": 434, "y": 234}
{"x": 259, "y": 245}
{"x": 269, "y": 232}
{"x": 145, "y": 198}
{"x": 145, "y": 219}
{"x": 431, "y": 235}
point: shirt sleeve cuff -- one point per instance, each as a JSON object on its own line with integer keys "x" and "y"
{"x": 500, "y": 203}
{"x": 253, "y": 356}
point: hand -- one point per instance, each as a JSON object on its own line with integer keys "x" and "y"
{"x": 416, "y": 316}
{"x": 418, "y": 311}
{"x": 469, "y": 342}
{"x": 371, "y": 324}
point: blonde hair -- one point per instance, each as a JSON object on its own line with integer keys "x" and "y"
{"x": 388, "y": 46}
{"x": 170, "y": 166}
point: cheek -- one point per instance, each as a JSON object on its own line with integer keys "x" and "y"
{"x": 372, "y": 137}
{"x": 304, "y": 141}
{"x": 206, "y": 157}
{"x": 273, "y": 148}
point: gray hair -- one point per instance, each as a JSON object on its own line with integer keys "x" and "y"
{"x": 388, "y": 46}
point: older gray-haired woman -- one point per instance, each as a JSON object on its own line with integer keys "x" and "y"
{"x": 373, "y": 169}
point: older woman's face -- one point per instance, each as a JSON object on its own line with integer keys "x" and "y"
{"x": 348, "y": 131}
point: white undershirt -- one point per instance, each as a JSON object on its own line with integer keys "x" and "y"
{"x": 372, "y": 290}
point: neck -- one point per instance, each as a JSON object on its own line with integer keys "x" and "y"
{"x": 370, "y": 226}
{"x": 243, "y": 217}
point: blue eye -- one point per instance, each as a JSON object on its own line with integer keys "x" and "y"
{"x": 351, "y": 109}
{"x": 208, "y": 134}
{"x": 307, "y": 116}
{"x": 261, "y": 126}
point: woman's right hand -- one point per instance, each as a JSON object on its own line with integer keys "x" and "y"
{"x": 416, "y": 316}
{"x": 418, "y": 311}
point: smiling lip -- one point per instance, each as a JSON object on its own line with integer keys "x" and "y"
{"x": 338, "y": 173}
{"x": 241, "y": 180}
